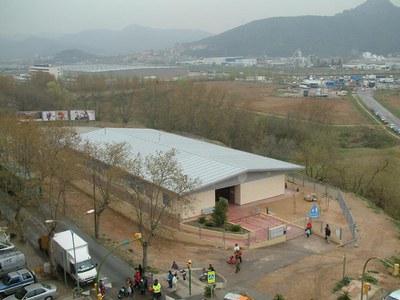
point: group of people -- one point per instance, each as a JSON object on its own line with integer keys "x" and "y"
{"x": 236, "y": 258}
{"x": 204, "y": 273}
{"x": 308, "y": 231}
{"x": 141, "y": 282}
{"x": 172, "y": 279}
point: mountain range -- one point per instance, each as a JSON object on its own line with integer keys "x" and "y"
{"x": 374, "y": 27}
{"x": 100, "y": 42}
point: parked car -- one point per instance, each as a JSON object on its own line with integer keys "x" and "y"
{"x": 393, "y": 295}
{"x": 232, "y": 296}
{"x": 16, "y": 280}
{"x": 35, "y": 291}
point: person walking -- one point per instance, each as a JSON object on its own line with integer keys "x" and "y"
{"x": 175, "y": 281}
{"x": 327, "y": 233}
{"x": 141, "y": 271}
{"x": 129, "y": 285}
{"x": 156, "y": 290}
{"x": 309, "y": 227}
{"x": 237, "y": 265}
{"x": 137, "y": 279}
{"x": 170, "y": 278}
{"x": 102, "y": 288}
{"x": 238, "y": 255}
{"x": 174, "y": 266}
{"x": 183, "y": 272}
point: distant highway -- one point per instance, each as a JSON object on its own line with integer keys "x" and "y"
{"x": 366, "y": 97}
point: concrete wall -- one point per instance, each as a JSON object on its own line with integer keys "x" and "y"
{"x": 245, "y": 193}
{"x": 203, "y": 200}
{"x": 262, "y": 189}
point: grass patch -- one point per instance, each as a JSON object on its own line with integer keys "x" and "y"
{"x": 382, "y": 96}
{"x": 364, "y": 137}
{"x": 339, "y": 285}
{"x": 374, "y": 207}
{"x": 361, "y": 107}
{"x": 202, "y": 220}
{"x": 369, "y": 278}
{"x": 397, "y": 223}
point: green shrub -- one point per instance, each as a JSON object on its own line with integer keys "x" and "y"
{"x": 208, "y": 289}
{"x": 210, "y": 224}
{"x": 220, "y": 212}
{"x": 235, "y": 228}
{"x": 370, "y": 279}
{"x": 344, "y": 296}
{"x": 202, "y": 219}
{"x": 278, "y": 297}
{"x": 344, "y": 282}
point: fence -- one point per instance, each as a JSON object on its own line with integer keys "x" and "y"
{"x": 329, "y": 192}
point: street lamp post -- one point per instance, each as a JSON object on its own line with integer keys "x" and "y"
{"x": 73, "y": 246}
{"x": 395, "y": 271}
{"x": 189, "y": 264}
{"x": 124, "y": 243}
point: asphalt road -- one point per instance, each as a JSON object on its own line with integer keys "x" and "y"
{"x": 368, "y": 99}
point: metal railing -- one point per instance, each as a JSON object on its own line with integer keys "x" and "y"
{"x": 329, "y": 192}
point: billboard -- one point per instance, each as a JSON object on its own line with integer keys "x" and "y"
{"x": 29, "y": 115}
{"x": 55, "y": 115}
{"x": 82, "y": 115}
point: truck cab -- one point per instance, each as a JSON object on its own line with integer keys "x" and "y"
{"x": 87, "y": 271}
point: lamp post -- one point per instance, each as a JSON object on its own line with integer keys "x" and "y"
{"x": 395, "y": 271}
{"x": 189, "y": 264}
{"x": 73, "y": 245}
{"x": 138, "y": 236}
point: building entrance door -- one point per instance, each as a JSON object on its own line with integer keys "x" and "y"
{"x": 228, "y": 193}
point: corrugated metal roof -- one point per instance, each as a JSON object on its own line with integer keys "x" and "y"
{"x": 209, "y": 162}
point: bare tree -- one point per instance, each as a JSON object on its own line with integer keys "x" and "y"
{"x": 157, "y": 187}
{"x": 125, "y": 104}
{"x": 39, "y": 165}
{"x": 107, "y": 165}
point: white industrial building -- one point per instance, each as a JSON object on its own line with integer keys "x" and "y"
{"x": 238, "y": 176}
{"x": 46, "y": 68}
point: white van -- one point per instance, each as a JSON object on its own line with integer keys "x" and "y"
{"x": 393, "y": 295}
{"x": 11, "y": 261}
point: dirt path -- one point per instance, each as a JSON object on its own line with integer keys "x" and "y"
{"x": 311, "y": 278}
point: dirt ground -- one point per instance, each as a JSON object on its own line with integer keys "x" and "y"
{"x": 311, "y": 278}
{"x": 264, "y": 98}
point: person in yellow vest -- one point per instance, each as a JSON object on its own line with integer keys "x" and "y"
{"x": 156, "y": 289}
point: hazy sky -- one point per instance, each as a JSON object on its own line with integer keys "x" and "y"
{"x": 215, "y": 16}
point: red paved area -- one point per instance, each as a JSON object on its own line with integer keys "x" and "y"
{"x": 252, "y": 218}
{"x": 289, "y": 209}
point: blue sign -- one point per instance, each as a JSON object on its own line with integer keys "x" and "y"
{"x": 314, "y": 212}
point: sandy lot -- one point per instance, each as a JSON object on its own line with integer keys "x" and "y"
{"x": 264, "y": 98}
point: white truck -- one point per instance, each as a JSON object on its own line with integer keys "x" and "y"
{"x": 11, "y": 261}
{"x": 64, "y": 250}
